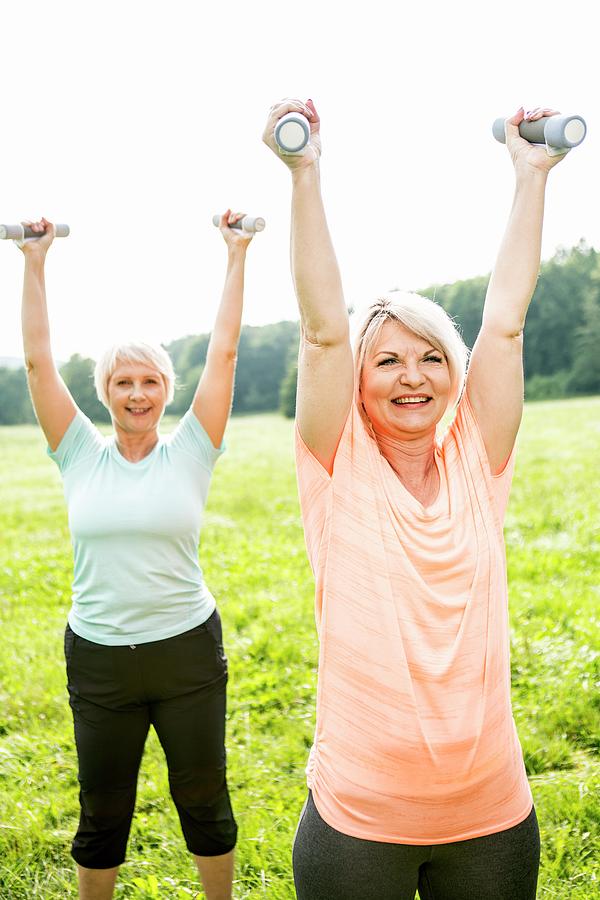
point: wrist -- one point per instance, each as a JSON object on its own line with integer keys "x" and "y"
{"x": 34, "y": 261}
{"x": 236, "y": 253}
{"x": 527, "y": 176}
{"x": 306, "y": 175}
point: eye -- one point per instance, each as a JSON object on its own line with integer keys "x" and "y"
{"x": 433, "y": 358}
{"x": 389, "y": 360}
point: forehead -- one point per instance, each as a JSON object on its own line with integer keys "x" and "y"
{"x": 134, "y": 370}
{"x": 395, "y": 336}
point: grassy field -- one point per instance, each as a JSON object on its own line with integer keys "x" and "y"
{"x": 254, "y": 561}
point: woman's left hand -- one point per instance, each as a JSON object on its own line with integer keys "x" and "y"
{"x": 235, "y": 238}
{"x": 524, "y": 154}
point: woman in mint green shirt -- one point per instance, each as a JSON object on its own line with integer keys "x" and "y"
{"x": 143, "y": 644}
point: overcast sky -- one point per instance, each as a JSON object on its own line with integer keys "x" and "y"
{"x": 135, "y": 121}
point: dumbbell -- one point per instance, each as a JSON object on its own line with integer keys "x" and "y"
{"x": 559, "y": 133}
{"x": 292, "y": 133}
{"x": 248, "y": 223}
{"x": 20, "y": 232}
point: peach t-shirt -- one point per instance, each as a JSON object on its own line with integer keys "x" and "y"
{"x": 415, "y": 741}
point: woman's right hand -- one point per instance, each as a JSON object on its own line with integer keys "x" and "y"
{"x": 37, "y": 247}
{"x": 312, "y": 151}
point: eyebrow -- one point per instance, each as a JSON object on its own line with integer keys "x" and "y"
{"x": 118, "y": 375}
{"x": 394, "y": 353}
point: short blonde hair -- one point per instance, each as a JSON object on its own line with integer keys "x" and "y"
{"x": 133, "y": 352}
{"x": 425, "y": 318}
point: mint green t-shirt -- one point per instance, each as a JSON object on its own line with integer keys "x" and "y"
{"x": 135, "y": 529}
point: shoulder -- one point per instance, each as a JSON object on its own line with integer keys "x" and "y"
{"x": 190, "y": 437}
{"x": 81, "y": 441}
{"x": 463, "y": 449}
{"x": 352, "y": 447}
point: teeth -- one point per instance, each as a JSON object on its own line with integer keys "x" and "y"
{"x": 402, "y": 400}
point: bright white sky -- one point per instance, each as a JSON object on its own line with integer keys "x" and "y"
{"x": 134, "y": 121}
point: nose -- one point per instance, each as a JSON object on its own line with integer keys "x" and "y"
{"x": 136, "y": 392}
{"x": 411, "y": 375}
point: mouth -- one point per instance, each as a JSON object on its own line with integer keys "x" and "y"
{"x": 138, "y": 412}
{"x": 412, "y": 400}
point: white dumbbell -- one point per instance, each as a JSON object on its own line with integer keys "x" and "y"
{"x": 21, "y": 232}
{"x": 558, "y": 133}
{"x": 292, "y": 133}
{"x": 248, "y": 223}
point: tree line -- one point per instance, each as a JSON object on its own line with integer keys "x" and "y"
{"x": 561, "y": 347}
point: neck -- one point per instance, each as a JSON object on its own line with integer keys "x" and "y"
{"x": 413, "y": 452}
{"x": 135, "y": 447}
{"x": 413, "y": 461}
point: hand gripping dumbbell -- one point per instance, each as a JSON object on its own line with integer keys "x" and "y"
{"x": 558, "y": 133}
{"x": 21, "y": 232}
{"x": 248, "y": 223}
{"x": 292, "y": 133}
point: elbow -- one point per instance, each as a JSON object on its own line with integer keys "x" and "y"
{"x": 325, "y": 336}
{"x": 37, "y": 365}
{"x": 224, "y": 355}
{"x": 32, "y": 365}
{"x": 504, "y": 328}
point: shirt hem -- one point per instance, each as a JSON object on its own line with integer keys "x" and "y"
{"x": 422, "y": 842}
{"x": 121, "y": 640}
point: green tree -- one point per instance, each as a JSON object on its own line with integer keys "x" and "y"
{"x": 262, "y": 363}
{"x": 556, "y": 311}
{"x": 15, "y": 405}
{"x": 78, "y": 375}
{"x": 287, "y": 393}
{"x": 585, "y": 373}
{"x": 185, "y": 390}
{"x": 463, "y": 301}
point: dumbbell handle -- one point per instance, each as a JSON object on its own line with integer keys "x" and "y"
{"x": 562, "y": 132}
{"x": 248, "y": 223}
{"x": 19, "y": 232}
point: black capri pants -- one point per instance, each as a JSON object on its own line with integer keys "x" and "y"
{"x": 178, "y": 685}
{"x": 329, "y": 865}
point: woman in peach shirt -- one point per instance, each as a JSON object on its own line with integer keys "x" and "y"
{"x": 416, "y": 777}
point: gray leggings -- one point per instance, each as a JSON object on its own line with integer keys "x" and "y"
{"x": 329, "y": 865}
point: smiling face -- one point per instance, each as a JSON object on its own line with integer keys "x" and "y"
{"x": 405, "y": 383}
{"x": 137, "y": 396}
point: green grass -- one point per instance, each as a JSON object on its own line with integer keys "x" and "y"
{"x": 254, "y": 560}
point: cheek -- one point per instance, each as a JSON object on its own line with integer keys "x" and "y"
{"x": 158, "y": 399}
{"x": 444, "y": 382}
{"x": 375, "y": 386}
{"x": 369, "y": 396}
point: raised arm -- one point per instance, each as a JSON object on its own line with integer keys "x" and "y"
{"x": 495, "y": 377}
{"x": 212, "y": 400}
{"x": 53, "y": 404}
{"x": 325, "y": 369}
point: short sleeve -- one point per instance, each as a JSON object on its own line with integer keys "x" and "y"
{"x": 314, "y": 490}
{"x": 81, "y": 441}
{"x": 190, "y": 437}
{"x": 465, "y": 428}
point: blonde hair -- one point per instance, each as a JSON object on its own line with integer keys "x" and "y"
{"x": 425, "y": 318}
{"x": 133, "y": 352}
